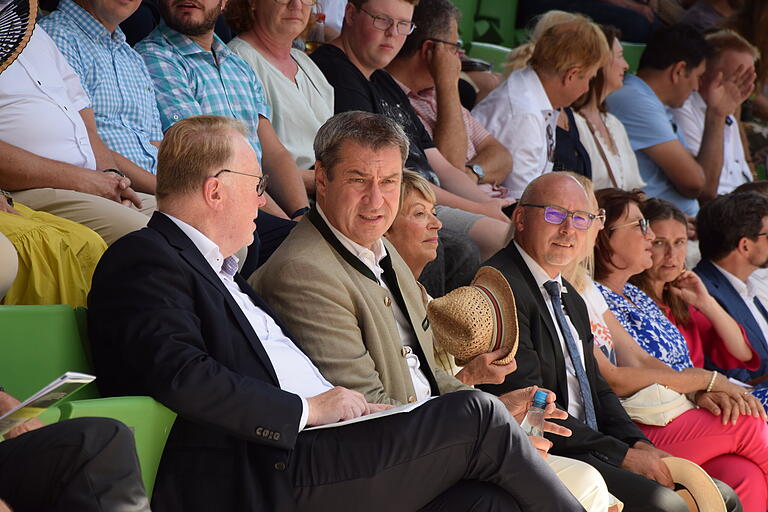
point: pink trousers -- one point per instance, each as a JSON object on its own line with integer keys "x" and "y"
{"x": 736, "y": 454}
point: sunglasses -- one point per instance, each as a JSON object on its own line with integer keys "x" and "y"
{"x": 556, "y": 215}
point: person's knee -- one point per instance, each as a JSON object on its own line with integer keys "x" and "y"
{"x": 98, "y": 433}
{"x": 663, "y": 499}
{"x": 731, "y": 499}
{"x": 473, "y": 496}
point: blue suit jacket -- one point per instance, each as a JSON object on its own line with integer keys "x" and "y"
{"x": 722, "y": 290}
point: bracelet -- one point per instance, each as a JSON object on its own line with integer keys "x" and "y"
{"x": 298, "y": 213}
{"x": 116, "y": 171}
{"x": 712, "y": 381}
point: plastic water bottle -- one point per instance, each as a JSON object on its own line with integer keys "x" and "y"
{"x": 533, "y": 424}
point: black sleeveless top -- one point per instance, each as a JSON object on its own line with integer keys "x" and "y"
{"x": 570, "y": 154}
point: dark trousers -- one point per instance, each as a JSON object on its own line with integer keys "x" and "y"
{"x": 82, "y": 465}
{"x": 459, "y": 452}
{"x": 634, "y": 26}
{"x": 641, "y": 494}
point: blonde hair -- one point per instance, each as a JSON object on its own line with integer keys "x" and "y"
{"x": 725, "y": 40}
{"x": 580, "y": 271}
{"x": 415, "y": 182}
{"x": 191, "y": 149}
{"x": 578, "y": 43}
{"x": 519, "y": 56}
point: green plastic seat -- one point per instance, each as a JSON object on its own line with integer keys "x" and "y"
{"x": 149, "y": 420}
{"x": 468, "y": 9}
{"x": 632, "y": 54}
{"x": 495, "y": 22}
{"x": 493, "y": 53}
{"x": 37, "y": 345}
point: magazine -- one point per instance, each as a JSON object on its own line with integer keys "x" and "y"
{"x": 388, "y": 412}
{"x": 43, "y": 399}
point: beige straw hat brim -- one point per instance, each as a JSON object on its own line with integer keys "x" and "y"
{"x": 700, "y": 493}
{"x": 476, "y": 319}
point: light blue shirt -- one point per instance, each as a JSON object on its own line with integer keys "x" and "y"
{"x": 116, "y": 80}
{"x": 649, "y": 123}
{"x": 191, "y": 81}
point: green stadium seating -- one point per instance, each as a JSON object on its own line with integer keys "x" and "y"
{"x": 149, "y": 420}
{"x": 495, "y": 22}
{"x": 41, "y": 343}
{"x": 632, "y": 54}
{"x": 468, "y": 9}
{"x": 493, "y": 53}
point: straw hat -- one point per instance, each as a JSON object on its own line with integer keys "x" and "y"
{"x": 699, "y": 491}
{"x": 478, "y": 318}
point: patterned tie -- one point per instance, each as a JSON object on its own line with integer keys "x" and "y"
{"x": 553, "y": 288}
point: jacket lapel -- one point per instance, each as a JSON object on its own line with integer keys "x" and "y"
{"x": 189, "y": 252}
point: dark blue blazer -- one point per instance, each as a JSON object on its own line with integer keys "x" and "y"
{"x": 161, "y": 323}
{"x": 724, "y": 293}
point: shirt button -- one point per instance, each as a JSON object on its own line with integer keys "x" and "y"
{"x": 175, "y": 117}
{"x": 387, "y": 301}
{"x": 411, "y": 399}
{"x": 280, "y": 466}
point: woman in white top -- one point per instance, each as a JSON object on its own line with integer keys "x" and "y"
{"x": 299, "y": 95}
{"x": 613, "y": 161}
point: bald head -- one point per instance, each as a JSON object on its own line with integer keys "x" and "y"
{"x": 552, "y": 245}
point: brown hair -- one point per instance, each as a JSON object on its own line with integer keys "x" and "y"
{"x": 750, "y": 22}
{"x": 597, "y": 84}
{"x": 655, "y": 209}
{"x": 615, "y": 203}
{"x": 578, "y": 43}
{"x": 191, "y": 149}
{"x": 761, "y": 187}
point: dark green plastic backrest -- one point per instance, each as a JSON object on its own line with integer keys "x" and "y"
{"x": 495, "y": 22}
{"x": 150, "y": 422}
{"x": 632, "y": 54}
{"x": 493, "y": 53}
{"x": 468, "y": 9}
{"x": 39, "y": 344}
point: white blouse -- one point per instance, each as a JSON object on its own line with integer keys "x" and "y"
{"x": 623, "y": 164}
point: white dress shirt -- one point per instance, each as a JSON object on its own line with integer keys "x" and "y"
{"x": 40, "y": 102}
{"x": 747, "y": 291}
{"x": 575, "y": 402}
{"x": 690, "y": 120}
{"x": 408, "y": 339}
{"x": 517, "y": 113}
{"x": 295, "y": 371}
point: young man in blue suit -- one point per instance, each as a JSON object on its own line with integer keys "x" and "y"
{"x": 733, "y": 239}
{"x": 170, "y": 317}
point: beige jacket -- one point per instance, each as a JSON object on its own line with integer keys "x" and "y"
{"x": 342, "y": 319}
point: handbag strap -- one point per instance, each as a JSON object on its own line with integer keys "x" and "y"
{"x": 602, "y": 152}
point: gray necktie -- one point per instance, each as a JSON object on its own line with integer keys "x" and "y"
{"x": 553, "y": 288}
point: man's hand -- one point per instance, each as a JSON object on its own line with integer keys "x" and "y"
{"x": 542, "y": 445}
{"x": 4, "y": 507}
{"x": 444, "y": 65}
{"x": 644, "y": 459}
{"x": 483, "y": 370}
{"x": 109, "y": 185}
{"x": 723, "y": 95}
{"x": 748, "y": 403}
{"x": 7, "y": 403}
{"x": 339, "y": 404}
{"x": 727, "y": 407}
{"x": 519, "y": 401}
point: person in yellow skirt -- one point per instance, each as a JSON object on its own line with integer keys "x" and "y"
{"x": 56, "y": 257}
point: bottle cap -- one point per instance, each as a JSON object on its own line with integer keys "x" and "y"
{"x": 540, "y": 398}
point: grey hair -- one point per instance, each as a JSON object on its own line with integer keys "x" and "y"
{"x": 372, "y": 131}
{"x": 432, "y": 19}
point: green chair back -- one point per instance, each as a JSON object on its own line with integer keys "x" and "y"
{"x": 39, "y": 344}
{"x": 150, "y": 422}
{"x": 493, "y": 53}
{"x": 468, "y": 9}
{"x": 495, "y": 22}
{"x": 632, "y": 54}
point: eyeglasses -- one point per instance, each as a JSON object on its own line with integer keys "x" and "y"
{"x": 403, "y": 27}
{"x": 261, "y": 185}
{"x": 455, "y": 47}
{"x": 761, "y": 234}
{"x": 556, "y": 215}
{"x": 643, "y": 223}
{"x": 305, "y": 2}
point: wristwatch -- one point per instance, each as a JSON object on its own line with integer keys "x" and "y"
{"x": 477, "y": 171}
